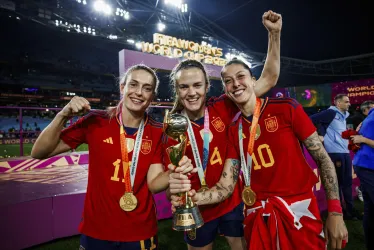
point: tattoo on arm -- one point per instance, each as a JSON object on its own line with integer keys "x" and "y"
{"x": 224, "y": 188}
{"x": 206, "y": 199}
{"x": 235, "y": 169}
{"x": 221, "y": 187}
{"x": 325, "y": 165}
{"x": 220, "y": 195}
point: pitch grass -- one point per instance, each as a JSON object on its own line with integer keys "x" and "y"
{"x": 7, "y": 150}
{"x": 172, "y": 240}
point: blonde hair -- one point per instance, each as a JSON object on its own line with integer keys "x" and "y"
{"x": 113, "y": 111}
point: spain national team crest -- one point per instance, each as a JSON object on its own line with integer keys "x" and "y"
{"x": 146, "y": 146}
{"x": 218, "y": 124}
{"x": 271, "y": 124}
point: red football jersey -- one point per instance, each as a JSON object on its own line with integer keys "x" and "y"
{"x": 102, "y": 216}
{"x": 278, "y": 164}
{"x": 221, "y": 112}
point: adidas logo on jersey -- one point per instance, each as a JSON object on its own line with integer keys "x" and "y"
{"x": 108, "y": 140}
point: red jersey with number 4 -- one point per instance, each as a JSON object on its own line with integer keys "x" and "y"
{"x": 278, "y": 164}
{"x": 221, "y": 112}
{"x": 102, "y": 216}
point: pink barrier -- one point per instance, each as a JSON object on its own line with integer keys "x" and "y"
{"x": 163, "y": 206}
{"x": 17, "y": 165}
{"x": 46, "y": 204}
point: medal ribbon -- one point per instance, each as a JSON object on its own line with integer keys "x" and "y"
{"x": 130, "y": 175}
{"x": 206, "y": 140}
{"x": 247, "y": 164}
{"x": 195, "y": 150}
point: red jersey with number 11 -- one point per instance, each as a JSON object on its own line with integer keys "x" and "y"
{"x": 103, "y": 217}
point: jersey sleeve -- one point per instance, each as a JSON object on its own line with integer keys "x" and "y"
{"x": 76, "y": 134}
{"x": 232, "y": 151}
{"x": 225, "y": 107}
{"x": 158, "y": 156}
{"x": 301, "y": 124}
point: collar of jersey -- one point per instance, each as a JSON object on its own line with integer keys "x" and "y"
{"x": 249, "y": 118}
{"x": 145, "y": 122}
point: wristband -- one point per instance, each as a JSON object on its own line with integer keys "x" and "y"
{"x": 334, "y": 206}
{"x": 344, "y": 243}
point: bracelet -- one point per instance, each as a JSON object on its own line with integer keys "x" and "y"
{"x": 334, "y": 206}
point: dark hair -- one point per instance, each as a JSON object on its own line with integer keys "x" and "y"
{"x": 236, "y": 61}
{"x": 338, "y": 97}
{"x": 365, "y": 105}
{"x": 113, "y": 111}
{"x": 183, "y": 65}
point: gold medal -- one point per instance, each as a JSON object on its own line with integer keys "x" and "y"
{"x": 248, "y": 196}
{"x": 128, "y": 202}
{"x": 203, "y": 189}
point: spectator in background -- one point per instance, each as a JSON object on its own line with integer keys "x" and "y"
{"x": 354, "y": 120}
{"x": 365, "y": 108}
{"x": 364, "y": 167}
{"x": 330, "y": 124}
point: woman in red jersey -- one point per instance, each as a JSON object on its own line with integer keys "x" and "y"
{"x": 281, "y": 210}
{"x": 207, "y": 132}
{"x": 125, "y": 164}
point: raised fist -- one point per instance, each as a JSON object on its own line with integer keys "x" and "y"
{"x": 272, "y": 21}
{"x": 76, "y": 107}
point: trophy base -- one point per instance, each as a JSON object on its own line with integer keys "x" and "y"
{"x": 186, "y": 219}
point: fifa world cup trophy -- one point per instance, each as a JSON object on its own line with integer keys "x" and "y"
{"x": 187, "y": 217}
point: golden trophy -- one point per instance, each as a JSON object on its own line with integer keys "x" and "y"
{"x": 186, "y": 217}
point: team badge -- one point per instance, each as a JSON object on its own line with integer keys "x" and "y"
{"x": 146, "y": 146}
{"x": 271, "y": 124}
{"x": 218, "y": 124}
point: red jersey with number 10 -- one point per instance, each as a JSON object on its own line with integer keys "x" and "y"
{"x": 102, "y": 216}
{"x": 278, "y": 164}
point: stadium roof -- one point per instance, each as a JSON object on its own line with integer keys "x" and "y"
{"x": 314, "y": 32}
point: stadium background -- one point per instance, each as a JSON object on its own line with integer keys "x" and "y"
{"x": 53, "y": 50}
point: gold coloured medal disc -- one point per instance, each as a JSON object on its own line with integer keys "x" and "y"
{"x": 128, "y": 202}
{"x": 248, "y": 196}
